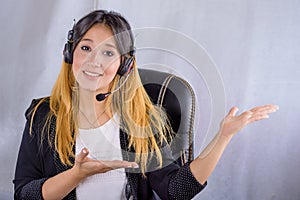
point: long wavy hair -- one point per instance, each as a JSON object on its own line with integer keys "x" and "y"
{"x": 145, "y": 123}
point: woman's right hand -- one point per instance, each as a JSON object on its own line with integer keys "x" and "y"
{"x": 85, "y": 166}
{"x": 59, "y": 186}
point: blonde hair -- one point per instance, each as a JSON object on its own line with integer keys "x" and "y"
{"x": 145, "y": 123}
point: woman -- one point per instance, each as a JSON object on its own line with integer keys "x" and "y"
{"x": 99, "y": 136}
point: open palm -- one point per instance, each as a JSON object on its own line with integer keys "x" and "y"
{"x": 233, "y": 123}
{"x": 86, "y": 166}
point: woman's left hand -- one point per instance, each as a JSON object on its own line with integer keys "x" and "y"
{"x": 233, "y": 123}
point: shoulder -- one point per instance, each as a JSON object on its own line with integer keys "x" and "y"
{"x": 39, "y": 107}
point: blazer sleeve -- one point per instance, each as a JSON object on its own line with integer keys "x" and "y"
{"x": 173, "y": 181}
{"x": 29, "y": 175}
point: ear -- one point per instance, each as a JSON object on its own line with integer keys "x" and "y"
{"x": 126, "y": 66}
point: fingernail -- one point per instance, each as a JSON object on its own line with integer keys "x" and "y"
{"x": 84, "y": 151}
{"x": 135, "y": 166}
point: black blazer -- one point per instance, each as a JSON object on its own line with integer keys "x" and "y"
{"x": 37, "y": 161}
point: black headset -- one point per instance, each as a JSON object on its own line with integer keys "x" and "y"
{"x": 126, "y": 61}
{"x": 68, "y": 54}
{"x": 126, "y": 64}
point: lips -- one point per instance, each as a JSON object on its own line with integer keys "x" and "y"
{"x": 92, "y": 74}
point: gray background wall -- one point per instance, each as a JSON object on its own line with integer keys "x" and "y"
{"x": 254, "y": 45}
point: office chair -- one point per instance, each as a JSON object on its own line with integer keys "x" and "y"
{"x": 177, "y": 98}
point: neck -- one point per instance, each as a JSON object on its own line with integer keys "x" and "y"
{"x": 88, "y": 103}
{"x": 91, "y": 112}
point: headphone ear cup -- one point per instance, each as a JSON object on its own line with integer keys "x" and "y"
{"x": 125, "y": 66}
{"x": 68, "y": 56}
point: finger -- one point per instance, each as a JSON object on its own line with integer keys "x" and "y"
{"x": 257, "y": 118}
{"x": 265, "y": 110}
{"x": 123, "y": 164}
{"x": 267, "y": 107}
{"x": 132, "y": 165}
{"x": 116, "y": 164}
{"x": 233, "y": 111}
{"x": 82, "y": 155}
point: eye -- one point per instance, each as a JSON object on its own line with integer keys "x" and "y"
{"x": 86, "y": 48}
{"x": 108, "y": 53}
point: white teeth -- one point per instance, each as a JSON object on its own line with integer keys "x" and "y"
{"x": 91, "y": 74}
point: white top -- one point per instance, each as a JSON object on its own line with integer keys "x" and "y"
{"x": 103, "y": 143}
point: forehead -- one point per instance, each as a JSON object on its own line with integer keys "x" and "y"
{"x": 99, "y": 33}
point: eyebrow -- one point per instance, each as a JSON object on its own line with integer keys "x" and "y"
{"x": 87, "y": 39}
{"x": 110, "y": 45}
{"x": 106, "y": 44}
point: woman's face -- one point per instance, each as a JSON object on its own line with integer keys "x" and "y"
{"x": 96, "y": 59}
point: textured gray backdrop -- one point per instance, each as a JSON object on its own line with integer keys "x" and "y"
{"x": 255, "y": 46}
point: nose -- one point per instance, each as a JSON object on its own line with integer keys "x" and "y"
{"x": 94, "y": 58}
{"x": 97, "y": 64}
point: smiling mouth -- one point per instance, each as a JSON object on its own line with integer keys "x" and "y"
{"x": 92, "y": 74}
